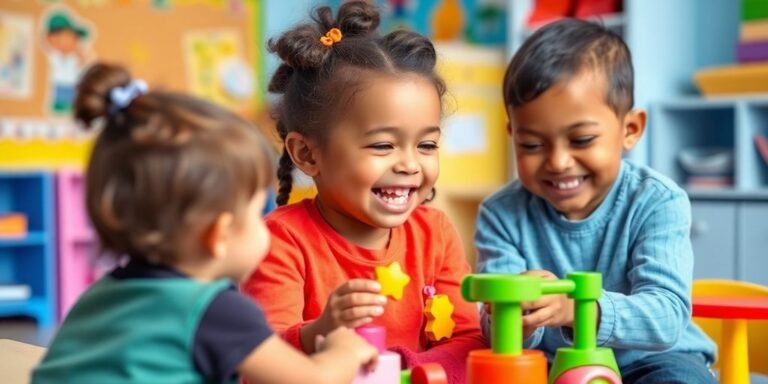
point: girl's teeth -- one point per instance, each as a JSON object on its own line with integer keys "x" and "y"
{"x": 396, "y": 196}
{"x": 396, "y": 191}
{"x": 400, "y": 200}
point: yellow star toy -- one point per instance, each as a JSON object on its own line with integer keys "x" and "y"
{"x": 438, "y": 310}
{"x": 392, "y": 280}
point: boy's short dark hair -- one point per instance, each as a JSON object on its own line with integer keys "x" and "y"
{"x": 562, "y": 49}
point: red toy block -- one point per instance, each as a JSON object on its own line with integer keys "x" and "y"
{"x": 588, "y": 8}
{"x": 430, "y": 373}
{"x": 545, "y": 11}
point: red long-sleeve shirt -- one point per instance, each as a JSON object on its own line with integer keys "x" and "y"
{"x": 309, "y": 260}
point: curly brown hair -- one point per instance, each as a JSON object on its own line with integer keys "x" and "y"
{"x": 316, "y": 80}
{"x": 164, "y": 167}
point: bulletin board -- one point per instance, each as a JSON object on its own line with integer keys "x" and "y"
{"x": 475, "y": 21}
{"x": 208, "y": 48}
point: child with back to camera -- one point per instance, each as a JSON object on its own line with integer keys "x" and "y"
{"x": 177, "y": 185}
{"x": 360, "y": 113}
{"x": 579, "y": 206}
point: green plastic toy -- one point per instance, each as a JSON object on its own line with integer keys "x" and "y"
{"x": 506, "y": 293}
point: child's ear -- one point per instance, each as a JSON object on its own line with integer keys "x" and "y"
{"x": 634, "y": 127}
{"x": 216, "y": 237}
{"x": 303, "y": 152}
{"x": 509, "y": 119}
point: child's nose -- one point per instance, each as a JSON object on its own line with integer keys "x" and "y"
{"x": 407, "y": 163}
{"x": 559, "y": 160}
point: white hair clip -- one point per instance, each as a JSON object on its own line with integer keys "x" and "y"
{"x": 121, "y": 97}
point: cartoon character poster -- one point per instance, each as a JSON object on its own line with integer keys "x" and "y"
{"x": 16, "y": 34}
{"x": 216, "y": 66}
{"x": 66, "y": 42}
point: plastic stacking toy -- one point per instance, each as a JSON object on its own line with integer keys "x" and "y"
{"x": 438, "y": 310}
{"x": 508, "y": 362}
{"x": 388, "y": 370}
{"x": 392, "y": 280}
{"x": 429, "y": 373}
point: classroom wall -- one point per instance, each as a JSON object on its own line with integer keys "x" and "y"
{"x": 208, "y": 48}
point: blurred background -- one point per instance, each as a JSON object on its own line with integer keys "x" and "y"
{"x": 701, "y": 71}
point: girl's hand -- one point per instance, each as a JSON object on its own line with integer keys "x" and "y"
{"x": 549, "y": 310}
{"x": 352, "y": 304}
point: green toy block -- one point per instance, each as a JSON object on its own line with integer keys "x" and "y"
{"x": 501, "y": 288}
{"x": 752, "y": 10}
{"x": 589, "y": 285}
{"x": 550, "y": 287}
{"x": 569, "y": 358}
{"x": 405, "y": 376}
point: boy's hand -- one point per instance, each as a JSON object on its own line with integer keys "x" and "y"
{"x": 352, "y": 304}
{"x": 549, "y": 310}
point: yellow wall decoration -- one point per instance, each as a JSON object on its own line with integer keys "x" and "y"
{"x": 474, "y": 156}
{"x": 474, "y": 145}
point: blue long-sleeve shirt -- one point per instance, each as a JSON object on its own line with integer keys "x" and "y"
{"x": 638, "y": 238}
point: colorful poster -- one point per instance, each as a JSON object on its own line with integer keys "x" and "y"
{"x": 475, "y": 21}
{"x": 216, "y": 67}
{"x": 16, "y": 34}
{"x": 66, "y": 42}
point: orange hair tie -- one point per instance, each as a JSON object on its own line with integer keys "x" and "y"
{"x": 331, "y": 37}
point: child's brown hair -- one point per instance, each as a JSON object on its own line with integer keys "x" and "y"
{"x": 316, "y": 79}
{"x": 165, "y": 166}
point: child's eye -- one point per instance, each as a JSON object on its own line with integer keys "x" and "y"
{"x": 381, "y": 147}
{"x": 429, "y": 146}
{"x": 583, "y": 141}
{"x": 529, "y": 147}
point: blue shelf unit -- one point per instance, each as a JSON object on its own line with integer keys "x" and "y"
{"x": 729, "y": 230}
{"x": 29, "y": 260}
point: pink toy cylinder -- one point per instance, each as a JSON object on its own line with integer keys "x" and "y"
{"x": 588, "y": 374}
{"x": 387, "y": 371}
{"x": 374, "y": 334}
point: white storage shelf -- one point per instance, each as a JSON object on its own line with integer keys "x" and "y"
{"x": 713, "y": 123}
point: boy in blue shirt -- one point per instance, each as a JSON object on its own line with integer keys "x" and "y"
{"x": 577, "y": 206}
